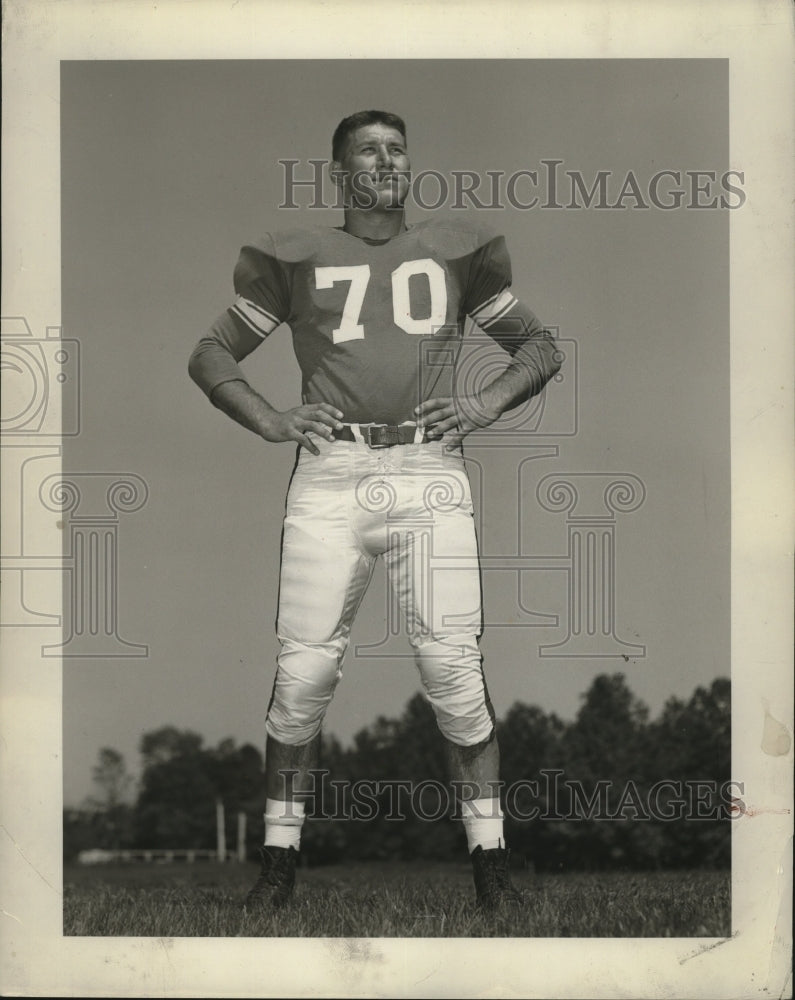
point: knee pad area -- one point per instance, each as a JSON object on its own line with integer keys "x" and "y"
{"x": 452, "y": 675}
{"x": 306, "y": 678}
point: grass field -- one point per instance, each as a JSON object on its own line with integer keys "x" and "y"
{"x": 385, "y": 900}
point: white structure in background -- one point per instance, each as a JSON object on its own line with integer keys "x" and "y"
{"x": 99, "y": 856}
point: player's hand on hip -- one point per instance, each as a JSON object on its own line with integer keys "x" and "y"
{"x": 297, "y": 424}
{"x": 452, "y": 418}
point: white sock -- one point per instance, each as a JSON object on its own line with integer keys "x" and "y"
{"x": 283, "y": 822}
{"x": 483, "y": 823}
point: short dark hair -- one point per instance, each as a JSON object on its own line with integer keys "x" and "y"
{"x": 349, "y": 125}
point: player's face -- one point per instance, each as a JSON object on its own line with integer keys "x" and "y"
{"x": 375, "y": 167}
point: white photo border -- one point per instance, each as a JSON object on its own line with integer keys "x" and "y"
{"x": 756, "y": 38}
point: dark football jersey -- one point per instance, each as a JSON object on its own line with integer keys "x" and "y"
{"x": 376, "y": 326}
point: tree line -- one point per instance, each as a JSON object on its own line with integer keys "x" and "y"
{"x": 609, "y": 789}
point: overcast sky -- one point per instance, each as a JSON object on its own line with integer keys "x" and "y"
{"x": 169, "y": 167}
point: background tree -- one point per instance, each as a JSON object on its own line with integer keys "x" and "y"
{"x": 237, "y": 776}
{"x": 604, "y": 744}
{"x": 105, "y": 821}
{"x": 610, "y": 741}
{"x": 176, "y": 804}
{"x": 389, "y": 752}
{"x": 691, "y": 742}
{"x": 530, "y": 747}
{"x": 111, "y": 778}
{"x": 181, "y": 782}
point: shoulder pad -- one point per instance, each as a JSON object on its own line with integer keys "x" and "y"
{"x": 293, "y": 245}
{"x": 455, "y": 237}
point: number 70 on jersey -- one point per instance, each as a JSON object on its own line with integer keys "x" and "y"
{"x": 358, "y": 275}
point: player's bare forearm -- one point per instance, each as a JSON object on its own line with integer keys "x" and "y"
{"x": 240, "y": 402}
{"x": 251, "y": 410}
{"x": 511, "y": 388}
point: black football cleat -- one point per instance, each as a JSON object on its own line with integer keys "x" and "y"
{"x": 493, "y": 886}
{"x": 276, "y": 879}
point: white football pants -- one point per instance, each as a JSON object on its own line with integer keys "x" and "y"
{"x": 412, "y": 505}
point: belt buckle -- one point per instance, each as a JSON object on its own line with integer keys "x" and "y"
{"x": 380, "y": 435}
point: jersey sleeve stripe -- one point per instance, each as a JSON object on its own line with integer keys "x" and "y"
{"x": 485, "y": 304}
{"x": 254, "y": 316}
{"x": 493, "y": 309}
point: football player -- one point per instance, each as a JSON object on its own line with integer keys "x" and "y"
{"x": 377, "y": 309}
